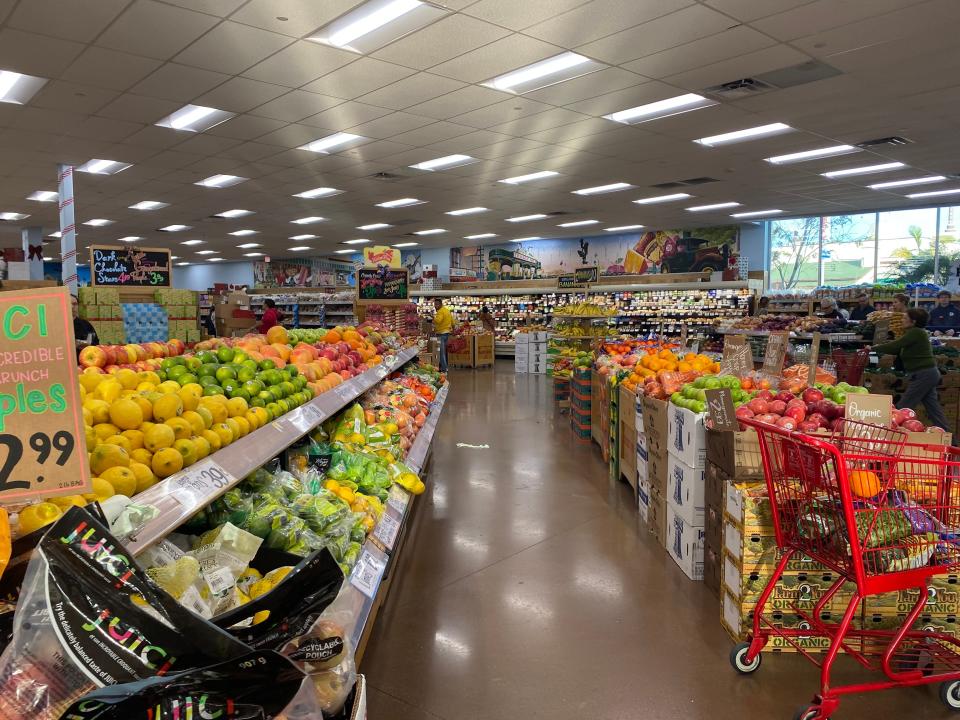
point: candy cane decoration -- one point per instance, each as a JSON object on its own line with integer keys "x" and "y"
{"x": 68, "y": 227}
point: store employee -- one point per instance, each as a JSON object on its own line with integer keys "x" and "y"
{"x": 83, "y": 332}
{"x": 946, "y": 315}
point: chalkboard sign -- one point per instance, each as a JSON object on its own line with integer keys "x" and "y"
{"x": 587, "y": 274}
{"x": 737, "y": 356}
{"x": 720, "y": 409}
{"x": 382, "y": 284}
{"x": 775, "y": 352}
{"x": 565, "y": 282}
{"x": 129, "y": 266}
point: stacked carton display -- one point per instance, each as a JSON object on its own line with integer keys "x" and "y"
{"x": 521, "y": 352}
{"x": 145, "y": 322}
{"x": 101, "y": 306}
{"x": 628, "y": 436}
{"x": 181, "y": 309}
{"x": 537, "y": 353}
{"x": 652, "y": 464}
{"x": 685, "y": 491}
{"x": 581, "y": 403}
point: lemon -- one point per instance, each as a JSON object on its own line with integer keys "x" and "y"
{"x": 159, "y": 437}
{"x": 149, "y": 376}
{"x": 87, "y": 416}
{"x": 188, "y": 450}
{"x": 205, "y": 413}
{"x": 202, "y": 446}
{"x": 118, "y": 440}
{"x": 65, "y": 502}
{"x": 166, "y": 462}
{"x": 101, "y": 490}
{"x": 34, "y": 517}
{"x": 169, "y": 387}
{"x": 134, "y": 437}
{"x": 127, "y": 378}
{"x": 197, "y": 424}
{"x": 91, "y": 437}
{"x": 146, "y": 386}
{"x": 144, "y": 476}
{"x": 225, "y": 433}
{"x": 217, "y": 410}
{"x": 234, "y": 427}
{"x": 253, "y": 420}
{"x": 126, "y": 414}
{"x": 105, "y": 430}
{"x": 141, "y": 455}
{"x": 122, "y": 479}
{"x": 105, "y": 457}
{"x": 181, "y": 428}
{"x": 242, "y": 424}
{"x": 236, "y": 406}
{"x": 259, "y": 617}
{"x": 191, "y": 394}
{"x": 89, "y": 381}
{"x": 167, "y": 407}
{"x": 213, "y": 440}
{"x": 99, "y": 409}
{"x": 108, "y": 390}
{"x": 146, "y": 407}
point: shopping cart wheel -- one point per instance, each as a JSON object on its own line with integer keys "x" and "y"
{"x": 950, "y": 694}
{"x": 811, "y": 712}
{"x": 738, "y": 658}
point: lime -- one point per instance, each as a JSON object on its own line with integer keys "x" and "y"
{"x": 253, "y": 387}
{"x": 194, "y": 363}
{"x": 166, "y": 364}
{"x": 176, "y": 371}
{"x": 300, "y": 382}
{"x": 229, "y": 387}
{"x": 275, "y": 392}
{"x": 240, "y": 356}
{"x": 162, "y": 374}
{"x": 208, "y": 369}
{"x": 267, "y": 364}
{"x": 207, "y": 357}
{"x": 284, "y": 406}
{"x": 266, "y": 396}
{"x": 226, "y": 373}
{"x": 244, "y": 374}
{"x": 251, "y": 364}
{"x": 274, "y": 377}
{"x": 287, "y": 387}
{"x": 205, "y": 380}
{"x": 274, "y": 410}
{"x": 240, "y": 392}
{"x": 291, "y": 371}
{"x": 186, "y": 377}
{"x": 257, "y": 402}
{"x": 213, "y": 390}
{"x": 225, "y": 354}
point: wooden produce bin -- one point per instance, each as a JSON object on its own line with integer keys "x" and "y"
{"x": 628, "y": 436}
{"x": 483, "y": 350}
{"x": 463, "y": 359}
{"x": 600, "y": 399}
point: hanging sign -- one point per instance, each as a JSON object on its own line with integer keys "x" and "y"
{"x": 42, "y": 440}
{"x": 566, "y": 282}
{"x": 381, "y": 255}
{"x": 129, "y": 266}
{"x": 382, "y": 283}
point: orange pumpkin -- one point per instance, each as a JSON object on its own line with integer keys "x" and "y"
{"x": 864, "y": 483}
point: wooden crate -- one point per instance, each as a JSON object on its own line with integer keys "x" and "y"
{"x": 483, "y": 350}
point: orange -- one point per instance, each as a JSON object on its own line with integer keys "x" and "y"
{"x": 277, "y": 334}
{"x": 864, "y": 483}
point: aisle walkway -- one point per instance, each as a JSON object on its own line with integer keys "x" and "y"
{"x": 529, "y": 589}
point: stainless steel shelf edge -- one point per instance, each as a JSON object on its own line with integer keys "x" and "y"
{"x": 183, "y": 494}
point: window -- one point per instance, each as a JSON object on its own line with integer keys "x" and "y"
{"x": 948, "y": 242}
{"x": 794, "y": 253}
{"x": 907, "y": 245}
{"x": 848, "y": 249}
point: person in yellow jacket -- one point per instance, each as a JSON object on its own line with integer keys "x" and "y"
{"x": 442, "y": 326}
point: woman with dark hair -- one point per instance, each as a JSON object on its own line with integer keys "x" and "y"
{"x": 271, "y": 316}
{"x": 914, "y": 350}
{"x": 489, "y": 324}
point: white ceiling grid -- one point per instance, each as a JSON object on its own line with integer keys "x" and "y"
{"x": 116, "y": 67}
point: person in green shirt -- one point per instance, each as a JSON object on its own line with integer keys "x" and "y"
{"x": 916, "y": 354}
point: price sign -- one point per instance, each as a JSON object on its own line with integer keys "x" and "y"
{"x": 388, "y": 528}
{"x": 881, "y": 332}
{"x": 867, "y": 409}
{"x": 683, "y": 335}
{"x": 345, "y": 392}
{"x": 307, "y": 418}
{"x": 775, "y": 353}
{"x": 42, "y": 442}
{"x": 737, "y": 356}
{"x": 720, "y": 409}
{"x": 398, "y": 499}
{"x": 204, "y": 478}
{"x": 814, "y": 359}
{"x": 368, "y": 571}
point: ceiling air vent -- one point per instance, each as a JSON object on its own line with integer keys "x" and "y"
{"x": 788, "y": 77}
{"x": 738, "y": 89}
{"x": 385, "y": 176}
{"x": 892, "y": 141}
{"x": 698, "y": 181}
{"x": 668, "y": 185}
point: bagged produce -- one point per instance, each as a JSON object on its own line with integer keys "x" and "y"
{"x": 320, "y": 510}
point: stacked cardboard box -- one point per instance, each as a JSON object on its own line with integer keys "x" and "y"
{"x": 685, "y": 492}
{"x": 521, "y": 352}
{"x": 145, "y": 322}
{"x": 233, "y": 314}
{"x": 652, "y": 464}
{"x": 181, "y": 309}
{"x": 580, "y": 403}
{"x": 483, "y": 349}
{"x": 537, "y": 353}
{"x": 627, "y": 414}
{"x": 101, "y": 306}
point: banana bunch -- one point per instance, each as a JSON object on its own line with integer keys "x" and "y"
{"x": 585, "y": 308}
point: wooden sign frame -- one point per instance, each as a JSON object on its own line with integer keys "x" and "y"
{"x": 93, "y": 271}
{"x": 382, "y": 301}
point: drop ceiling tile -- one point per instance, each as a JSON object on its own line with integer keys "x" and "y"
{"x": 747, "y": 10}
{"x": 519, "y": 15}
{"x": 443, "y": 40}
{"x": 622, "y": 99}
{"x": 69, "y": 96}
{"x": 465, "y": 143}
{"x": 72, "y": 21}
{"x": 220, "y": 8}
{"x": 601, "y": 18}
{"x": 154, "y": 137}
{"x": 5, "y": 7}
{"x": 291, "y": 136}
{"x": 241, "y": 94}
{"x": 105, "y": 129}
{"x": 458, "y": 102}
{"x": 358, "y": 78}
{"x": 761, "y": 61}
{"x": 296, "y": 105}
{"x": 498, "y": 57}
{"x": 109, "y": 69}
{"x": 246, "y": 127}
{"x": 730, "y": 43}
{"x": 250, "y": 151}
{"x": 178, "y": 82}
{"x": 301, "y": 18}
{"x": 36, "y": 54}
{"x": 43, "y": 120}
{"x": 155, "y": 29}
{"x": 136, "y": 108}
{"x": 587, "y": 86}
{"x": 504, "y": 149}
{"x": 509, "y": 109}
{"x": 823, "y": 15}
{"x": 571, "y": 131}
{"x": 429, "y": 134}
{"x": 411, "y": 91}
{"x": 390, "y": 125}
{"x": 666, "y": 32}
{"x": 346, "y": 115}
{"x": 205, "y": 144}
{"x": 299, "y": 64}
{"x": 232, "y": 48}
{"x": 535, "y": 123}
{"x": 376, "y": 151}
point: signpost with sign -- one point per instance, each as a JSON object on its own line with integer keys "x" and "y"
{"x": 567, "y": 282}
{"x": 42, "y": 441}
{"x": 868, "y": 409}
{"x": 129, "y": 266}
{"x": 814, "y": 359}
{"x": 587, "y": 274}
{"x": 737, "y": 356}
{"x": 720, "y": 409}
{"x": 775, "y": 353}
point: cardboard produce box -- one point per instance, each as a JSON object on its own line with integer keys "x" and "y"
{"x": 801, "y": 589}
{"x": 942, "y": 599}
{"x": 750, "y": 549}
{"x": 737, "y": 619}
{"x": 736, "y": 453}
{"x": 628, "y": 452}
{"x": 748, "y": 507}
{"x": 643, "y": 499}
{"x": 712, "y": 569}
{"x": 657, "y": 470}
{"x": 713, "y": 528}
{"x": 686, "y": 436}
{"x": 483, "y": 349}
{"x": 685, "y": 491}
{"x": 715, "y": 494}
{"x": 684, "y": 543}
{"x": 655, "y": 422}
{"x": 657, "y": 517}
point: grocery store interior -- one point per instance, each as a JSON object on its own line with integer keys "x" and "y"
{"x": 448, "y": 359}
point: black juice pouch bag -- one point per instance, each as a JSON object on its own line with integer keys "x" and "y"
{"x": 294, "y": 604}
{"x": 87, "y": 617}
{"x": 256, "y": 686}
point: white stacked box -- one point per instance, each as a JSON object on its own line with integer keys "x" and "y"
{"x": 686, "y": 489}
{"x": 537, "y": 355}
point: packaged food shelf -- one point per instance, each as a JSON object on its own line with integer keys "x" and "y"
{"x": 181, "y": 495}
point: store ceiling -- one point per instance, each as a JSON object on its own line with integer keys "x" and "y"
{"x": 116, "y": 67}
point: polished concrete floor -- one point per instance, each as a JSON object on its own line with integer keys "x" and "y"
{"x": 529, "y": 589}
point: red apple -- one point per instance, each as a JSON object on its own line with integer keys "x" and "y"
{"x": 935, "y": 429}
{"x": 908, "y": 413}
{"x": 787, "y": 423}
{"x": 786, "y": 397}
{"x": 808, "y": 426}
{"x": 777, "y": 407}
{"x": 93, "y": 356}
{"x": 765, "y": 395}
{"x": 759, "y": 406}
{"x": 797, "y": 402}
{"x": 767, "y": 418}
{"x": 812, "y": 395}
{"x": 744, "y": 412}
{"x": 913, "y": 425}
{"x": 797, "y": 412}
{"x": 819, "y": 419}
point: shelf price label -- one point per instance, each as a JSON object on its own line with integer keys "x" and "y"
{"x": 204, "y": 479}
{"x": 388, "y": 528}
{"x": 307, "y": 418}
{"x": 398, "y": 499}
{"x": 368, "y": 572}
{"x": 42, "y": 443}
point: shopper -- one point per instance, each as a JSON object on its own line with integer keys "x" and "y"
{"x": 762, "y": 307}
{"x": 900, "y": 303}
{"x": 863, "y": 308}
{"x": 945, "y": 317}
{"x": 271, "y": 316}
{"x": 84, "y": 333}
{"x": 489, "y": 324}
{"x": 442, "y": 326}
{"x": 830, "y": 309}
{"x": 914, "y": 350}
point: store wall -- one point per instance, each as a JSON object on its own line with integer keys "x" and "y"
{"x": 206, "y": 275}
{"x": 753, "y": 244}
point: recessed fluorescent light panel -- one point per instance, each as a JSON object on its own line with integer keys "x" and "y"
{"x": 173, "y": 228}
{"x": 130, "y": 238}
{"x": 526, "y": 218}
{"x": 578, "y": 223}
{"x": 714, "y": 206}
{"x": 331, "y": 143}
{"x": 192, "y": 242}
{"x": 445, "y": 163}
{"x": 195, "y": 118}
{"x": 662, "y": 198}
{"x": 104, "y": 167}
{"x": 374, "y": 226}
{"x": 907, "y": 183}
{"x": 376, "y": 23}
{"x": 602, "y": 189}
{"x": 308, "y": 220}
{"x": 406, "y": 244}
{"x": 241, "y": 233}
{"x": 303, "y": 237}
{"x": 253, "y": 254}
{"x": 520, "y": 179}
{"x": 524, "y": 239}
{"x": 358, "y": 241}
{"x": 182, "y": 264}
{"x": 208, "y": 252}
{"x": 98, "y": 222}
{"x": 756, "y": 213}
{"x": 934, "y": 193}
{"x": 806, "y": 155}
{"x": 17, "y": 88}
{"x": 467, "y": 211}
{"x": 661, "y": 109}
{"x": 55, "y": 234}
{"x": 481, "y": 236}
{"x": 12, "y": 216}
{"x": 149, "y": 205}
{"x": 220, "y": 181}
{"x": 43, "y": 196}
{"x": 299, "y": 248}
{"x": 402, "y": 202}
{"x": 214, "y": 259}
{"x": 248, "y": 246}
{"x": 344, "y": 252}
{"x": 620, "y": 228}
{"x": 238, "y": 212}
{"x": 745, "y": 134}
{"x": 553, "y": 70}
{"x": 432, "y": 231}
{"x": 320, "y": 192}
{"x": 864, "y": 170}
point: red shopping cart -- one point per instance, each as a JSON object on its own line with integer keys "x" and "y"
{"x": 883, "y": 514}
{"x": 850, "y": 364}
